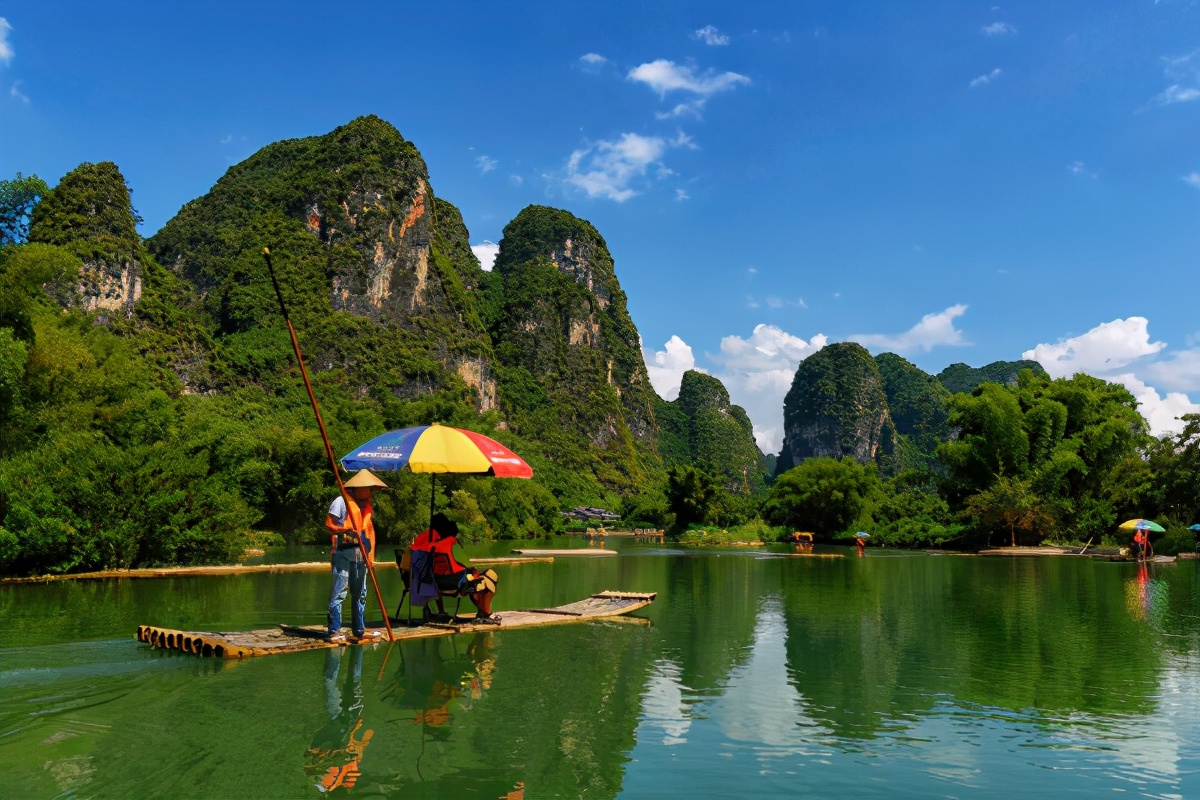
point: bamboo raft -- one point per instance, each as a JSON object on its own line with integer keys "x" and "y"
{"x": 246, "y": 569}
{"x": 293, "y": 639}
{"x": 578, "y": 551}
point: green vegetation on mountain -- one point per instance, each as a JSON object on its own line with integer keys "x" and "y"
{"x": 916, "y": 402}
{"x": 837, "y": 408}
{"x": 719, "y": 435}
{"x": 959, "y": 377}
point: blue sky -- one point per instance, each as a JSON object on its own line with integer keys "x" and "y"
{"x": 952, "y": 181}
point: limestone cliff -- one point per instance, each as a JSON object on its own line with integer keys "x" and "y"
{"x": 561, "y": 329}
{"x": 89, "y": 214}
{"x": 836, "y": 408}
{"x": 356, "y": 230}
{"x": 719, "y": 435}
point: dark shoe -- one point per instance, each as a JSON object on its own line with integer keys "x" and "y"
{"x": 480, "y": 619}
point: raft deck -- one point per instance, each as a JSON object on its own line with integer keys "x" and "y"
{"x": 577, "y": 551}
{"x": 293, "y": 639}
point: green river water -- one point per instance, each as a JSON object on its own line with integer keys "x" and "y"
{"x": 760, "y": 676}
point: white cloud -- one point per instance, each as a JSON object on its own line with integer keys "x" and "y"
{"x": 1121, "y": 351}
{"x": 486, "y": 253}
{"x": 1192, "y": 179}
{"x": 1107, "y": 347}
{"x": 607, "y": 168}
{"x": 1162, "y": 412}
{"x": 681, "y": 195}
{"x": 515, "y": 180}
{"x": 485, "y": 164}
{"x": 751, "y": 302}
{"x": 711, "y": 36}
{"x": 1077, "y": 168}
{"x": 934, "y": 330}
{"x": 1175, "y": 94}
{"x": 774, "y": 302}
{"x": 593, "y": 59}
{"x": 666, "y": 367}
{"x": 227, "y": 138}
{"x": 692, "y": 109}
{"x": 6, "y": 50}
{"x": 998, "y": 29}
{"x": 984, "y": 80}
{"x": 16, "y": 93}
{"x": 665, "y": 76}
{"x": 758, "y": 372}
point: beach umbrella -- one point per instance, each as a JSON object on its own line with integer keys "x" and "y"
{"x": 862, "y": 535}
{"x": 1142, "y": 525}
{"x": 437, "y": 449}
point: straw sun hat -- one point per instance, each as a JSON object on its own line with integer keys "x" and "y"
{"x": 364, "y": 479}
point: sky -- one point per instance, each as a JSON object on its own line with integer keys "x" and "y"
{"x": 950, "y": 181}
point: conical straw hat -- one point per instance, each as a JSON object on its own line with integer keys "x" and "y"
{"x": 364, "y": 479}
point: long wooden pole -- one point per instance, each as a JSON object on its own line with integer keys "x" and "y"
{"x": 333, "y": 464}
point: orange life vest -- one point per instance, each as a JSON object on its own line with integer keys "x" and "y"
{"x": 360, "y": 520}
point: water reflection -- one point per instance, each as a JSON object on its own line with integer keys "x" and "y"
{"x": 1147, "y": 598}
{"x": 333, "y": 759}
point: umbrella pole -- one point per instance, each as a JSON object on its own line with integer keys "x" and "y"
{"x": 325, "y": 438}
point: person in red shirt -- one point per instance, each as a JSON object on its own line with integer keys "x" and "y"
{"x": 451, "y": 575}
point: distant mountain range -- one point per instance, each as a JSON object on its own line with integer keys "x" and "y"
{"x": 396, "y": 317}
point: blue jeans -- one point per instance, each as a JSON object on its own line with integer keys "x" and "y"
{"x": 349, "y": 577}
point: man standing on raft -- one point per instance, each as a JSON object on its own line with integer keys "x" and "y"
{"x": 348, "y": 523}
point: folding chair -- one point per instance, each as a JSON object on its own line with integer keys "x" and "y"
{"x": 404, "y": 563}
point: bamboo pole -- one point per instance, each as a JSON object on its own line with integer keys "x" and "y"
{"x": 333, "y": 464}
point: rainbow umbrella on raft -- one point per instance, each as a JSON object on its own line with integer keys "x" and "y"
{"x": 1142, "y": 525}
{"x": 437, "y": 449}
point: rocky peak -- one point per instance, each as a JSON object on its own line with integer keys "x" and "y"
{"x": 90, "y": 215}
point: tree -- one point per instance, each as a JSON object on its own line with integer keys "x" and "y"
{"x": 689, "y": 492}
{"x": 1011, "y": 502}
{"x": 17, "y": 199}
{"x": 822, "y": 494}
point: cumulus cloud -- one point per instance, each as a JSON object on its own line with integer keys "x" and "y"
{"x": 665, "y": 76}
{"x": 934, "y": 330}
{"x": 486, "y": 253}
{"x": 1106, "y": 347}
{"x": 758, "y": 372}
{"x": 1192, "y": 180}
{"x": 711, "y": 36}
{"x": 6, "y": 50}
{"x": 608, "y": 168}
{"x": 984, "y": 80}
{"x": 1122, "y": 351}
{"x": 485, "y": 164}
{"x": 666, "y": 367}
{"x": 998, "y": 29}
{"x": 593, "y": 59}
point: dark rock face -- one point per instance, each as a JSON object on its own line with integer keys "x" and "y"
{"x": 837, "y": 408}
{"x": 963, "y": 378}
{"x": 89, "y": 214}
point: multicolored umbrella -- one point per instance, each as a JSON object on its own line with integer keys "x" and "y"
{"x": 1141, "y": 525}
{"x": 437, "y": 449}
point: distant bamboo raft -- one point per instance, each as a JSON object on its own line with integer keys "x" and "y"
{"x": 578, "y": 551}
{"x": 294, "y": 639}
{"x": 243, "y": 569}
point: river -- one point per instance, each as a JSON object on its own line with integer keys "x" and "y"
{"x": 761, "y": 675}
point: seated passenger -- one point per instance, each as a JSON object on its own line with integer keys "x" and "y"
{"x": 439, "y": 540}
